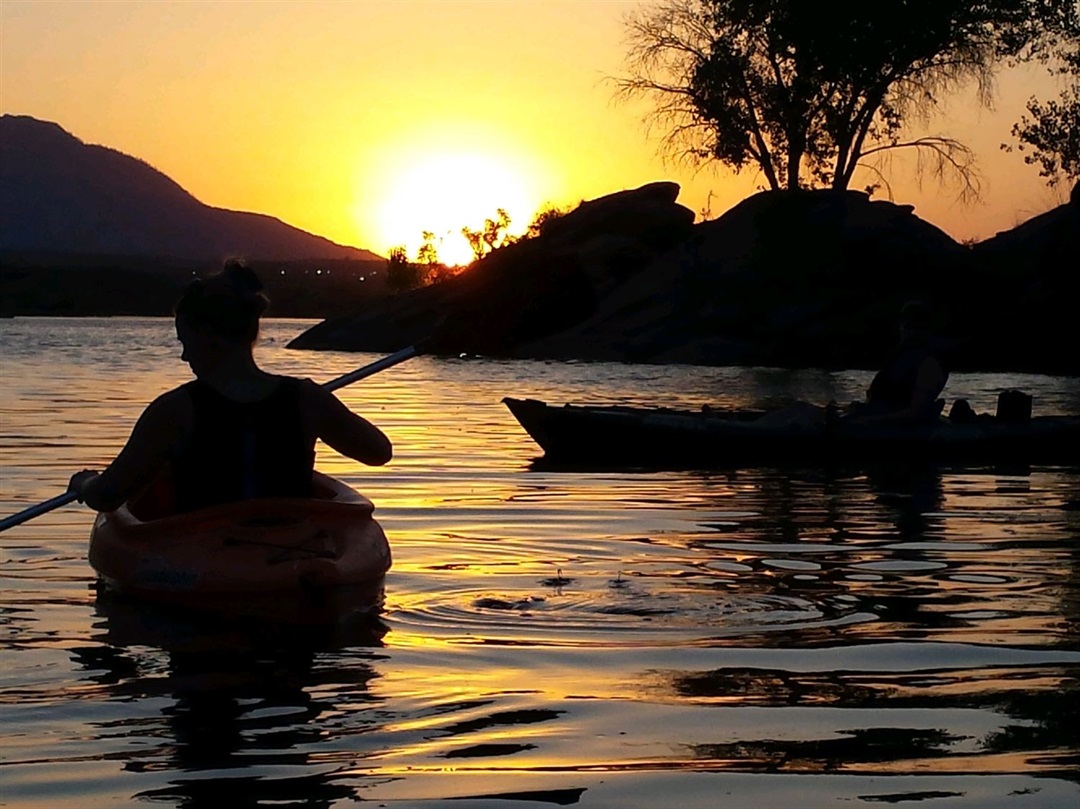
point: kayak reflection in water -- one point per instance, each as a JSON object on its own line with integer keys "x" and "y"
{"x": 234, "y": 432}
{"x": 905, "y": 390}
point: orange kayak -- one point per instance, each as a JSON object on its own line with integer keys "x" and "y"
{"x": 284, "y": 545}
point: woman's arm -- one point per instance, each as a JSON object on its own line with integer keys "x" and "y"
{"x": 156, "y": 433}
{"x": 345, "y": 431}
{"x": 929, "y": 382}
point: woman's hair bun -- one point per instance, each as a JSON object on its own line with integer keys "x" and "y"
{"x": 228, "y": 303}
{"x": 241, "y": 276}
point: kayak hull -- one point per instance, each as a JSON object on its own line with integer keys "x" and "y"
{"x": 655, "y": 437}
{"x": 260, "y": 546}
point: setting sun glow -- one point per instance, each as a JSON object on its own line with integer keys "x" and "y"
{"x": 371, "y": 122}
{"x": 445, "y": 192}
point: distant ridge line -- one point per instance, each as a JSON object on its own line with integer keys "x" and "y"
{"x": 60, "y": 195}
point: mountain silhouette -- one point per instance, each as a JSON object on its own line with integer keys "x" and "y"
{"x": 59, "y": 195}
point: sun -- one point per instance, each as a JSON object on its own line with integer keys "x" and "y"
{"x": 445, "y": 192}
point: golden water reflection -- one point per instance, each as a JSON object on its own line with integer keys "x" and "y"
{"x": 586, "y": 638}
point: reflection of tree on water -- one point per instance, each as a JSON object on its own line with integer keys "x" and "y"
{"x": 835, "y": 503}
{"x": 1036, "y": 710}
{"x": 895, "y": 542}
{"x": 907, "y": 544}
{"x": 839, "y": 536}
{"x": 1070, "y": 597}
{"x": 860, "y": 746}
{"x": 241, "y": 692}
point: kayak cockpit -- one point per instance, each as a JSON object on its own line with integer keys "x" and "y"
{"x": 248, "y": 546}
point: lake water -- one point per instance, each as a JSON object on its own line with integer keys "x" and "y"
{"x": 733, "y": 638}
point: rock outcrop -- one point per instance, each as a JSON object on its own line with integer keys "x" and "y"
{"x": 1021, "y": 306}
{"x": 804, "y": 278}
{"x": 781, "y": 278}
{"x": 525, "y": 290}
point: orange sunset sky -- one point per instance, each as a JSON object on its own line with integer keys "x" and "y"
{"x": 369, "y": 121}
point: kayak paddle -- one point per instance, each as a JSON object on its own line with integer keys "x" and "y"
{"x": 52, "y": 503}
{"x": 511, "y": 308}
{"x": 34, "y": 511}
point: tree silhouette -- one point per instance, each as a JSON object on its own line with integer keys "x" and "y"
{"x": 427, "y": 252}
{"x": 401, "y": 274}
{"x": 547, "y": 213}
{"x": 427, "y": 256}
{"x": 805, "y": 92}
{"x": 491, "y": 236}
{"x": 1051, "y": 135}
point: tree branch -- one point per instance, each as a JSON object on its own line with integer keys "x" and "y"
{"x": 947, "y": 155}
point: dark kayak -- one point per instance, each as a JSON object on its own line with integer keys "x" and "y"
{"x": 655, "y": 437}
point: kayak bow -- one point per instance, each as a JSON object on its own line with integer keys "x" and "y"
{"x": 246, "y": 547}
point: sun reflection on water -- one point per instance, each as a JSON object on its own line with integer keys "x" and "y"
{"x": 588, "y": 638}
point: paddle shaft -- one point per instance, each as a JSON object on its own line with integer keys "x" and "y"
{"x": 38, "y": 510}
{"x": 390, "y": 361}
{"x": 396, "y": 358}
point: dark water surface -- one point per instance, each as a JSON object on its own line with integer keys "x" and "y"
{"x": 734, "y": 638}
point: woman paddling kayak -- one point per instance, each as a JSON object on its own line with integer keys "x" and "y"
{"x": 235, "y": 432}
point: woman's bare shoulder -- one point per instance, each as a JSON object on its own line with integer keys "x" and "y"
{"x": 171, "y": 406}
{"x": 311, "y": 393}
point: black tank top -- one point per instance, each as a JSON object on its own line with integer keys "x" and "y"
{"x": 241, "y": 450}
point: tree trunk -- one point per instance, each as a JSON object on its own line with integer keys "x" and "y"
{"x": 763, "y": 157}
{"x": 794, "y": 161}
{"x": 765, "y": 161}
{"x": 840, "y": 176}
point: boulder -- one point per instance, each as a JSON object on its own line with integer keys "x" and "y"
{"x": 618, "y": 212}
{"x": 803, "y": 278}
{"x": 528, "y": 289}
{"x": 808, "y": 277}
{"x": 1020, "y": 308}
